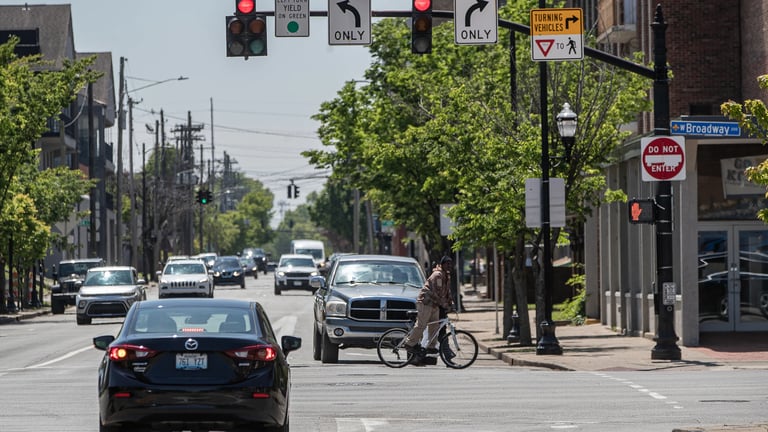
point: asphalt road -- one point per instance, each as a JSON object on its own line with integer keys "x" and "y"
{"x": 48, "y": 383}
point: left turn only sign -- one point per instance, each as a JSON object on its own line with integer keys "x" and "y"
{"x": 291, "y": 18}
{"x": 349, "y": 22}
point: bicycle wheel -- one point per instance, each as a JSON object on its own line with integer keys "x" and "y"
{"x": 458, "y": 350}
{"x": 391, "y": 348}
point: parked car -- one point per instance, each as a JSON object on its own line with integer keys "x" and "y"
{"x": 249, "y": 266}
{"x": 293, "y": 272}
{"x": 199, "y": 364}
{"x": 109, "y": 292}
{"x": 362, "y": 297}
{"x": 261, "y": 257}
{"x": 68, "y": 279}
{"x": 227, "y": 271}
{"x": 188, "y": 277}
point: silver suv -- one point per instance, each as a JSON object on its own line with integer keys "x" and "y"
{"x": 362, "y": 297}
{"x": 109, "y": 292}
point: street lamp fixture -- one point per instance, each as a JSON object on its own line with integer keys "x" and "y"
{"x": 566, "y": 125}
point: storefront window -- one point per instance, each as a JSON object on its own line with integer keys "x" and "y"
{"x": 724, "y": 192}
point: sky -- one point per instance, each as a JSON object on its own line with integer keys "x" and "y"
{"x": 261, "y": 107}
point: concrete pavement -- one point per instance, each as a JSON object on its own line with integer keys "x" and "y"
{"x": 593, "y": 347}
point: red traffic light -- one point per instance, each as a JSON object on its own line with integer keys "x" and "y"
{"x": 245, "y": 7}
{"x": 422, "y": 5}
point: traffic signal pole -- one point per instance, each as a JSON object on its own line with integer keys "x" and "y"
{"x": 665, "y": 293}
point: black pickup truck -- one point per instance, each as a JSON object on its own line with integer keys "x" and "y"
{"x": 68, "y": 279}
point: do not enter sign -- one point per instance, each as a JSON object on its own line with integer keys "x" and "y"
{"x": 663, "y": 158}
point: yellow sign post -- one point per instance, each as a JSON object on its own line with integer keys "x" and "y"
{"x": 557, "y": 34}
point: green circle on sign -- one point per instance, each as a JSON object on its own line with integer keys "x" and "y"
{"x": 293, "y": 26}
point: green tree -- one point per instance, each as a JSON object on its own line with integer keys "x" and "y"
{"x": 429, "y": 130}
{"x": 753, "y": 118}
{"x": 31, "y": 92}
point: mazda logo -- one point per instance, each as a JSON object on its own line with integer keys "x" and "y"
{"x": 190, "y": 344}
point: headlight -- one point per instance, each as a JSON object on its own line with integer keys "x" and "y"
{"x": 216, "y": 274}
{"x": 203, "y": 280}
{"x": 236, "y": 274}
{"x": 281, "y": 274}
{"x": 336, "y": 308}
{"x": 313, "y": 273}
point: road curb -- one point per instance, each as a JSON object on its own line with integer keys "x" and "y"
{"x": 510, "y": 359}
{"x": 5, "y": 319}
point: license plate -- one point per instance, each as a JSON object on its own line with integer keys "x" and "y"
{"x": 297, "y": 283}
{"x": 191, "y": 361}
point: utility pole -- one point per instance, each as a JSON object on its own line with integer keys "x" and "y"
{"x": 132, "y": 188}
{"x": 118, "y": 197}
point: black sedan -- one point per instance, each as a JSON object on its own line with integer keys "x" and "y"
{"x": 195, "y": 364}
{"x": 228, "y": 271}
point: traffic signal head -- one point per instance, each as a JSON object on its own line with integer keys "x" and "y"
{"x": 207, "y": 196}
{"x": 199, "y": 196}
{"x": 295, "y": 191}
{"x": 246, "y": 32}
{"x": 642, "y": 211}
{"x": 421, "y": 26}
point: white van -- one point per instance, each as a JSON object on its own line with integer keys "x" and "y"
{"x": 310, "y": 247}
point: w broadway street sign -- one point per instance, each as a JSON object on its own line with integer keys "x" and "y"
{"x": 557, "y": 34}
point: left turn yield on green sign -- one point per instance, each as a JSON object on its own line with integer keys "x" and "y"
{"x": 291, "y": 18}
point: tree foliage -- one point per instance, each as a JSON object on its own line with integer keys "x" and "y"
{"x": 753, "y": 118}
{"x": 436, "y": 129}
{"x": 31, "y": 92}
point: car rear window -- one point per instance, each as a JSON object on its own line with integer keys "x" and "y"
{"x": 194, "y": 320}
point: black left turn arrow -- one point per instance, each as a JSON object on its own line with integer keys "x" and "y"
{"x": 345, "y": 6}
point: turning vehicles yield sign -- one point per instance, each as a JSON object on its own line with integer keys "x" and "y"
{"x": 349, "y": 22}
{"x": 476, "y": 22}
{"x": 662, "y": 158}
{"x": 557, "y": 34}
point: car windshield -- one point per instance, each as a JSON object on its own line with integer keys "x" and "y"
{"x": 80, "y": 268}
{"x": 378, "y": 272}
{"x": 297, "y": 262}
{"x": 227, "y": 262}
{"x": 110, "y": 277}
{"x": 184, "y": 269}
{"x": 316, "y": 253}
{"x": 193, "y": 319}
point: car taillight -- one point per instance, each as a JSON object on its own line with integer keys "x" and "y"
{"x": 126, "y": 352}
{"x": 254, "y": 353}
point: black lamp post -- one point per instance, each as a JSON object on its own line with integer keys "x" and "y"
{"x": 548, "y": 343}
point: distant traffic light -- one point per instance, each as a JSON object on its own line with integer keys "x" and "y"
{"x": 199, "y": 196}
{"x": 207, "y": 196}
{"x": 295, "y": 191}
{"x": 246, "y": 31}
{"x": 642, "y": 211}
{"x": 421, "y": 26}
{"x": 290, "y": 190}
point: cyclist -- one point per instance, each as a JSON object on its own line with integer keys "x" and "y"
{"x": 435, "y": 294}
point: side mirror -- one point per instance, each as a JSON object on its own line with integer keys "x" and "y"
{"x": 102, "y": 342}
{"x": 290, "y": 343}
{"x": 317, "y": 282}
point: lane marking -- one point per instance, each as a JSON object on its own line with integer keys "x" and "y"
{"x": 58, "y": 359}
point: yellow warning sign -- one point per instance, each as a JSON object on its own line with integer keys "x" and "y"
{"x": 556, "y": 22}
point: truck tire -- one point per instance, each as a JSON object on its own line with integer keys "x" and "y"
{"x": 83, "y": 320}
{"x": 330, "y": 351}
{"x": 57, "y": 306}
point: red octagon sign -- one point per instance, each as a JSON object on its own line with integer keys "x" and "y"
{"x": 663, "y": 158}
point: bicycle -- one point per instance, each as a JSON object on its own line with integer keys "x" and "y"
{"x": 457, "y": 348}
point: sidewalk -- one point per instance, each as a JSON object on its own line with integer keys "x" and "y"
{"x": 595, "y": 347}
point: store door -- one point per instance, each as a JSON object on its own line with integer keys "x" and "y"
{"x": 733, "y": 277}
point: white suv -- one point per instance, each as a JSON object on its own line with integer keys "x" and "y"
{"x": 185, "y": 278}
